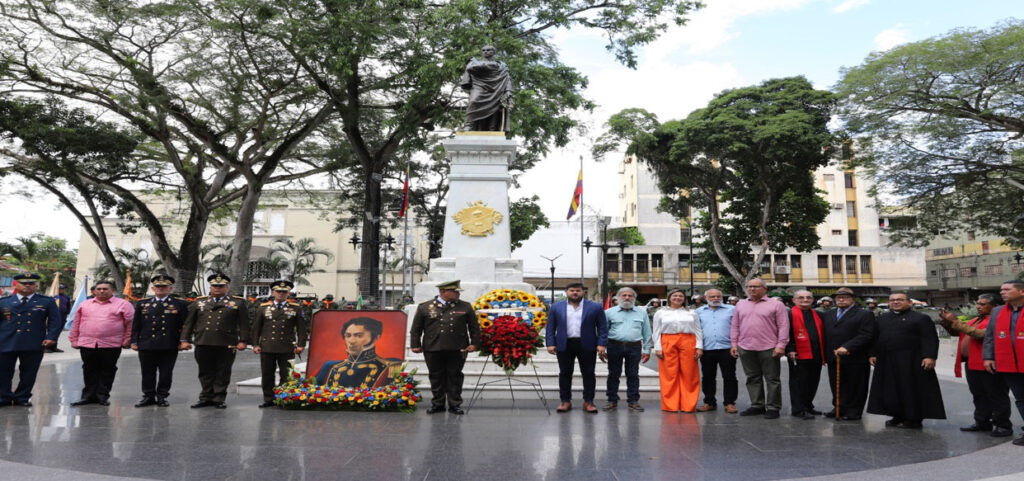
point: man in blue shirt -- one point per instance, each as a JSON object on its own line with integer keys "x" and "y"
{"x": 629, "y": 340}
{"x": 715, "y": 322}
{"x": 29, "y": 322}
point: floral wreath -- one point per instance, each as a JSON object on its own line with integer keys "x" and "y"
{"x": 510, "y": 325}
{"x": 299, "y": 392}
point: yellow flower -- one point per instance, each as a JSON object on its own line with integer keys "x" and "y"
{"x": 485, "y": 306}
{"x": 375, "y": 403}
{"x": 411, "y": 402}
{"x": 485, "y": 323}
{"x": 499, "y": 297}
{"x": 513, "y": 297}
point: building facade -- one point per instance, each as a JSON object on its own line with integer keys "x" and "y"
{"x": 962, "y": 265}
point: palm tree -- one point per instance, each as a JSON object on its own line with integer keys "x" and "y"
{"x": 301, "y": 257}
{"x": 139, "y": 262}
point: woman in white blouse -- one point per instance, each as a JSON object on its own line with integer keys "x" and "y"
{"x": 678, "y": 343}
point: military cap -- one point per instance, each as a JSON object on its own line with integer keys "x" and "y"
{"x": 844, "y": 291}
{"x": 450, "y": 286}
{"x": 870, "y": 300}
{"x": 826, "y": 298}
{"x": 218, "y": 279}
{"x": 62, "y": 286}
{"x": 282, "y": 285}
{"x": 161, "y": 280}
{"x": 329, "y": 297}
{"x": 27, "y": 277}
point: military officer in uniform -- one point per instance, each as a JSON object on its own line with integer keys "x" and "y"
{"x": 363, "y": 368}
{"x": 328, "y": 304}
{"x": 29, "y": 322}
{"x": 220, "y": 325}
{"x": 278, "y": 334}
{"x": 156, "y": 330}
{"x": 444, "y": 329}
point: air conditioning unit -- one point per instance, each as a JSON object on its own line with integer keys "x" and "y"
{"x": 838, "y": 205}
{"x": 782, "y": 270}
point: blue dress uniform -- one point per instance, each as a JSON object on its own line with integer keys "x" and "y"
{"x": 156, "y": 331}
{"x": 24, "y": 324}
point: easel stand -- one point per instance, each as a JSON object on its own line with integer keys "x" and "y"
{"x": 478, "y": 389}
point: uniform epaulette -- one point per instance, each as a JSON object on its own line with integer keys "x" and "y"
{"x": 240, "y": 297}
{"x": 202, "y": 297}
{"x": 293, "y": 303}
{"x": 268, "y": 303}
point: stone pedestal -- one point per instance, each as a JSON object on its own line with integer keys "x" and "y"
{"x": 477, "y": 251}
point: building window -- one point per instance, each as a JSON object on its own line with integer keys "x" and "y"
{"x": 795, "y": 261}
{"x": 837, "y": 264}
{"x": 822, "y": 262}
{"x": 942, "y": 251}
{"x": 641, "y": 264}
{"x": 766, "y": 266}
{"x": 657, "y": 261}
{"x": 830, "y": 178}
{"x": 993, "y": 270}
{"x": 851, "y": 265}
{"x": 848, "y": 179}
{"x": 984, "y": 247}
{"x": 837, "y": 232}
{"x": 1016, "y": 268}
{"x": 970, "y": 235}
{"x": 611, "y": 263}
{"x": 260, "y": 271}
{"x": 934, "y": 273}
{"x": 865, "y": 265}
{"x": 684, "y": 235}
{"x": 851, "y": 208}
{"x": 948, "y": 272}
{"x": 852, "y": 237}
{"x": 968, "y": 272}
{"x": 627, "y": 263}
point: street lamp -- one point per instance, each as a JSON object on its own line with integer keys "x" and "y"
{"x": 552, "y": 261}
{"x": 388, "y": 241}
{"x": 604, "y": 246}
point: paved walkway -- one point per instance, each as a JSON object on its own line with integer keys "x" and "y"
{"x": 496, "y": 441}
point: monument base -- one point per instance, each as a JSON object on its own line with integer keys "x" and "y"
{"x": 478, "y": 276}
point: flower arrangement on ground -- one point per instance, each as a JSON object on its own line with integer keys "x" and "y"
{"x": 300, "y": 392}
{"x": 510, "y": 325}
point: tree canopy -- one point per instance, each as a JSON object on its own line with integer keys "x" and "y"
{"x": 940, "y": 124}
{"x": 745, "y": 161}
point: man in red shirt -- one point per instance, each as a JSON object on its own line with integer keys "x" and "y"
{"x": 102, "y": 327}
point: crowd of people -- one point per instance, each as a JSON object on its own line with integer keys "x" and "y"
{"x": 879, "y": 361}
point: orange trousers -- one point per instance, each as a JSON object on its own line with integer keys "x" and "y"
{"x": 679, "y": 373}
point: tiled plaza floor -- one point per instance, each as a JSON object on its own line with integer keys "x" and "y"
{"x": 494, "y": 442}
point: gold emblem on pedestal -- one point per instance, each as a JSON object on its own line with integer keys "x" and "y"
{"x": 477, "y": 220}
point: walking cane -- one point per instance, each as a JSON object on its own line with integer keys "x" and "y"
{"x": 838, "y": 359}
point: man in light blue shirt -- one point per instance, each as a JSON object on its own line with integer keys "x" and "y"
{"x": 629, "y": 341}
{"x": 715, "y": 323}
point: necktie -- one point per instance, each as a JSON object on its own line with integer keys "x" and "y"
{"x": 280, "y": 306}
{"x": 24, "y": 300}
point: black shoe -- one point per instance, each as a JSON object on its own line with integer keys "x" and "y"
{"x": 849, "y": 418}
{"x": 146, "y": 401}
{"x": 830, "y": 414}
{"x": 771, "y": 414}
{"x": 806, "y": 415}
{"x": 456, "y": 410}
{"x": 103, "y": 403}
{"x": 83, "y": 402}
{"x": 752, "y": 411}
{"x": 220, "y": 405}
{"x": 203, "y": 404}
{"x": 24, "y": 404}
{"x": 893, "y": 422}
{"x": 910, "y": 425}
{"x": 162, "y": 403}
{"x": 4, "y": 404}
{"x": 1019, "y": 441}
{"x": 999, "y": 432}
{"x": 435, "y": 409}
{"x": 976, "y": 428}
{"x": 266, "y": 404}
{"x": 815, "y": 412}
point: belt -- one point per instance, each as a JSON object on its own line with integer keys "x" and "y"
{"x": 629, "y": 343}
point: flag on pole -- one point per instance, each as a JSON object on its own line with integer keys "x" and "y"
{"x": 405, "y": 195}
{"x": 577, "y": 196}
{"x": 128, "y": 285}
{"x": 54, "y": 286}
{"x": 79, "y": 299}
{"x": 608, "y": 301}
{"x": 359, "y": 303}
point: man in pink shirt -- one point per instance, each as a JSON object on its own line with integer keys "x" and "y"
{"x": 759, "y": 335}
{"x": 102, "y": 327}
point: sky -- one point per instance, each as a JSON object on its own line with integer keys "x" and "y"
{"x": 728, "y": 44}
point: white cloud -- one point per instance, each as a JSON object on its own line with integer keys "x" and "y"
{"x": 712, "y": 26}
{"x": 891, "y": 37}
{"x": 849, "y": 5}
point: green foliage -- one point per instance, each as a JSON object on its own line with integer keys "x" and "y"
{"x": 525, "y": 218}
{"x": 42, "y": 254}
{"x": 940, "y": 125}
{"x": 744, "y": 161}
{"x": 631, "y": 235}
{"x": 299, "y": 258}
{"x": 139, "y": 262}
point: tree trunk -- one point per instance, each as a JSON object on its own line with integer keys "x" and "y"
{"x": 241, "y": 245}
{"x": 369, "y": 258}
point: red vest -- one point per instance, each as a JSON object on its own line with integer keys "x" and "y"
{"x": 974, "y": 351}
{"x": 802, "y": 340}
{"x": 1008, "y": 358}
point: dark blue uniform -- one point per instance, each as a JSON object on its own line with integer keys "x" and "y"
{"x": 156, "y": 331}
{"x": 23, "y": 328}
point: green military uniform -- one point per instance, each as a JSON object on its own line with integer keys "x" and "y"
{"x": 217, "y": 325}
{"x": 444, "y": 330}
{"x": 278, "y": 329}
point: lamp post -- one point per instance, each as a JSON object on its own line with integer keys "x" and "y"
{"x": 386, "y": 243}
{"x": 604, "y": 246}
{"x": 552, "y": 261}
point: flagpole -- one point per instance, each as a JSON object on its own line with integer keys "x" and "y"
{"x": 405, "y": 252}
{"x": 581, "y": 226}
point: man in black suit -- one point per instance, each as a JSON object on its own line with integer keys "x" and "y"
{"x": 849, "y": 331}
{"x": 156, "y": 330}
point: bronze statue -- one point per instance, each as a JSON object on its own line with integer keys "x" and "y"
{"x": 490, "y": 93}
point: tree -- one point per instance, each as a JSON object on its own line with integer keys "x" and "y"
{"x": 940, "y": 125}
{"x": 42, "y": 254}
{"x": 221, "y": 114}
{"x": 139, "y": 262}
{"x": 525, "y": 218}
{"x": 745, "y": 161}
{"x": 300, "y": 258}
{"x": 389, "y": 70}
